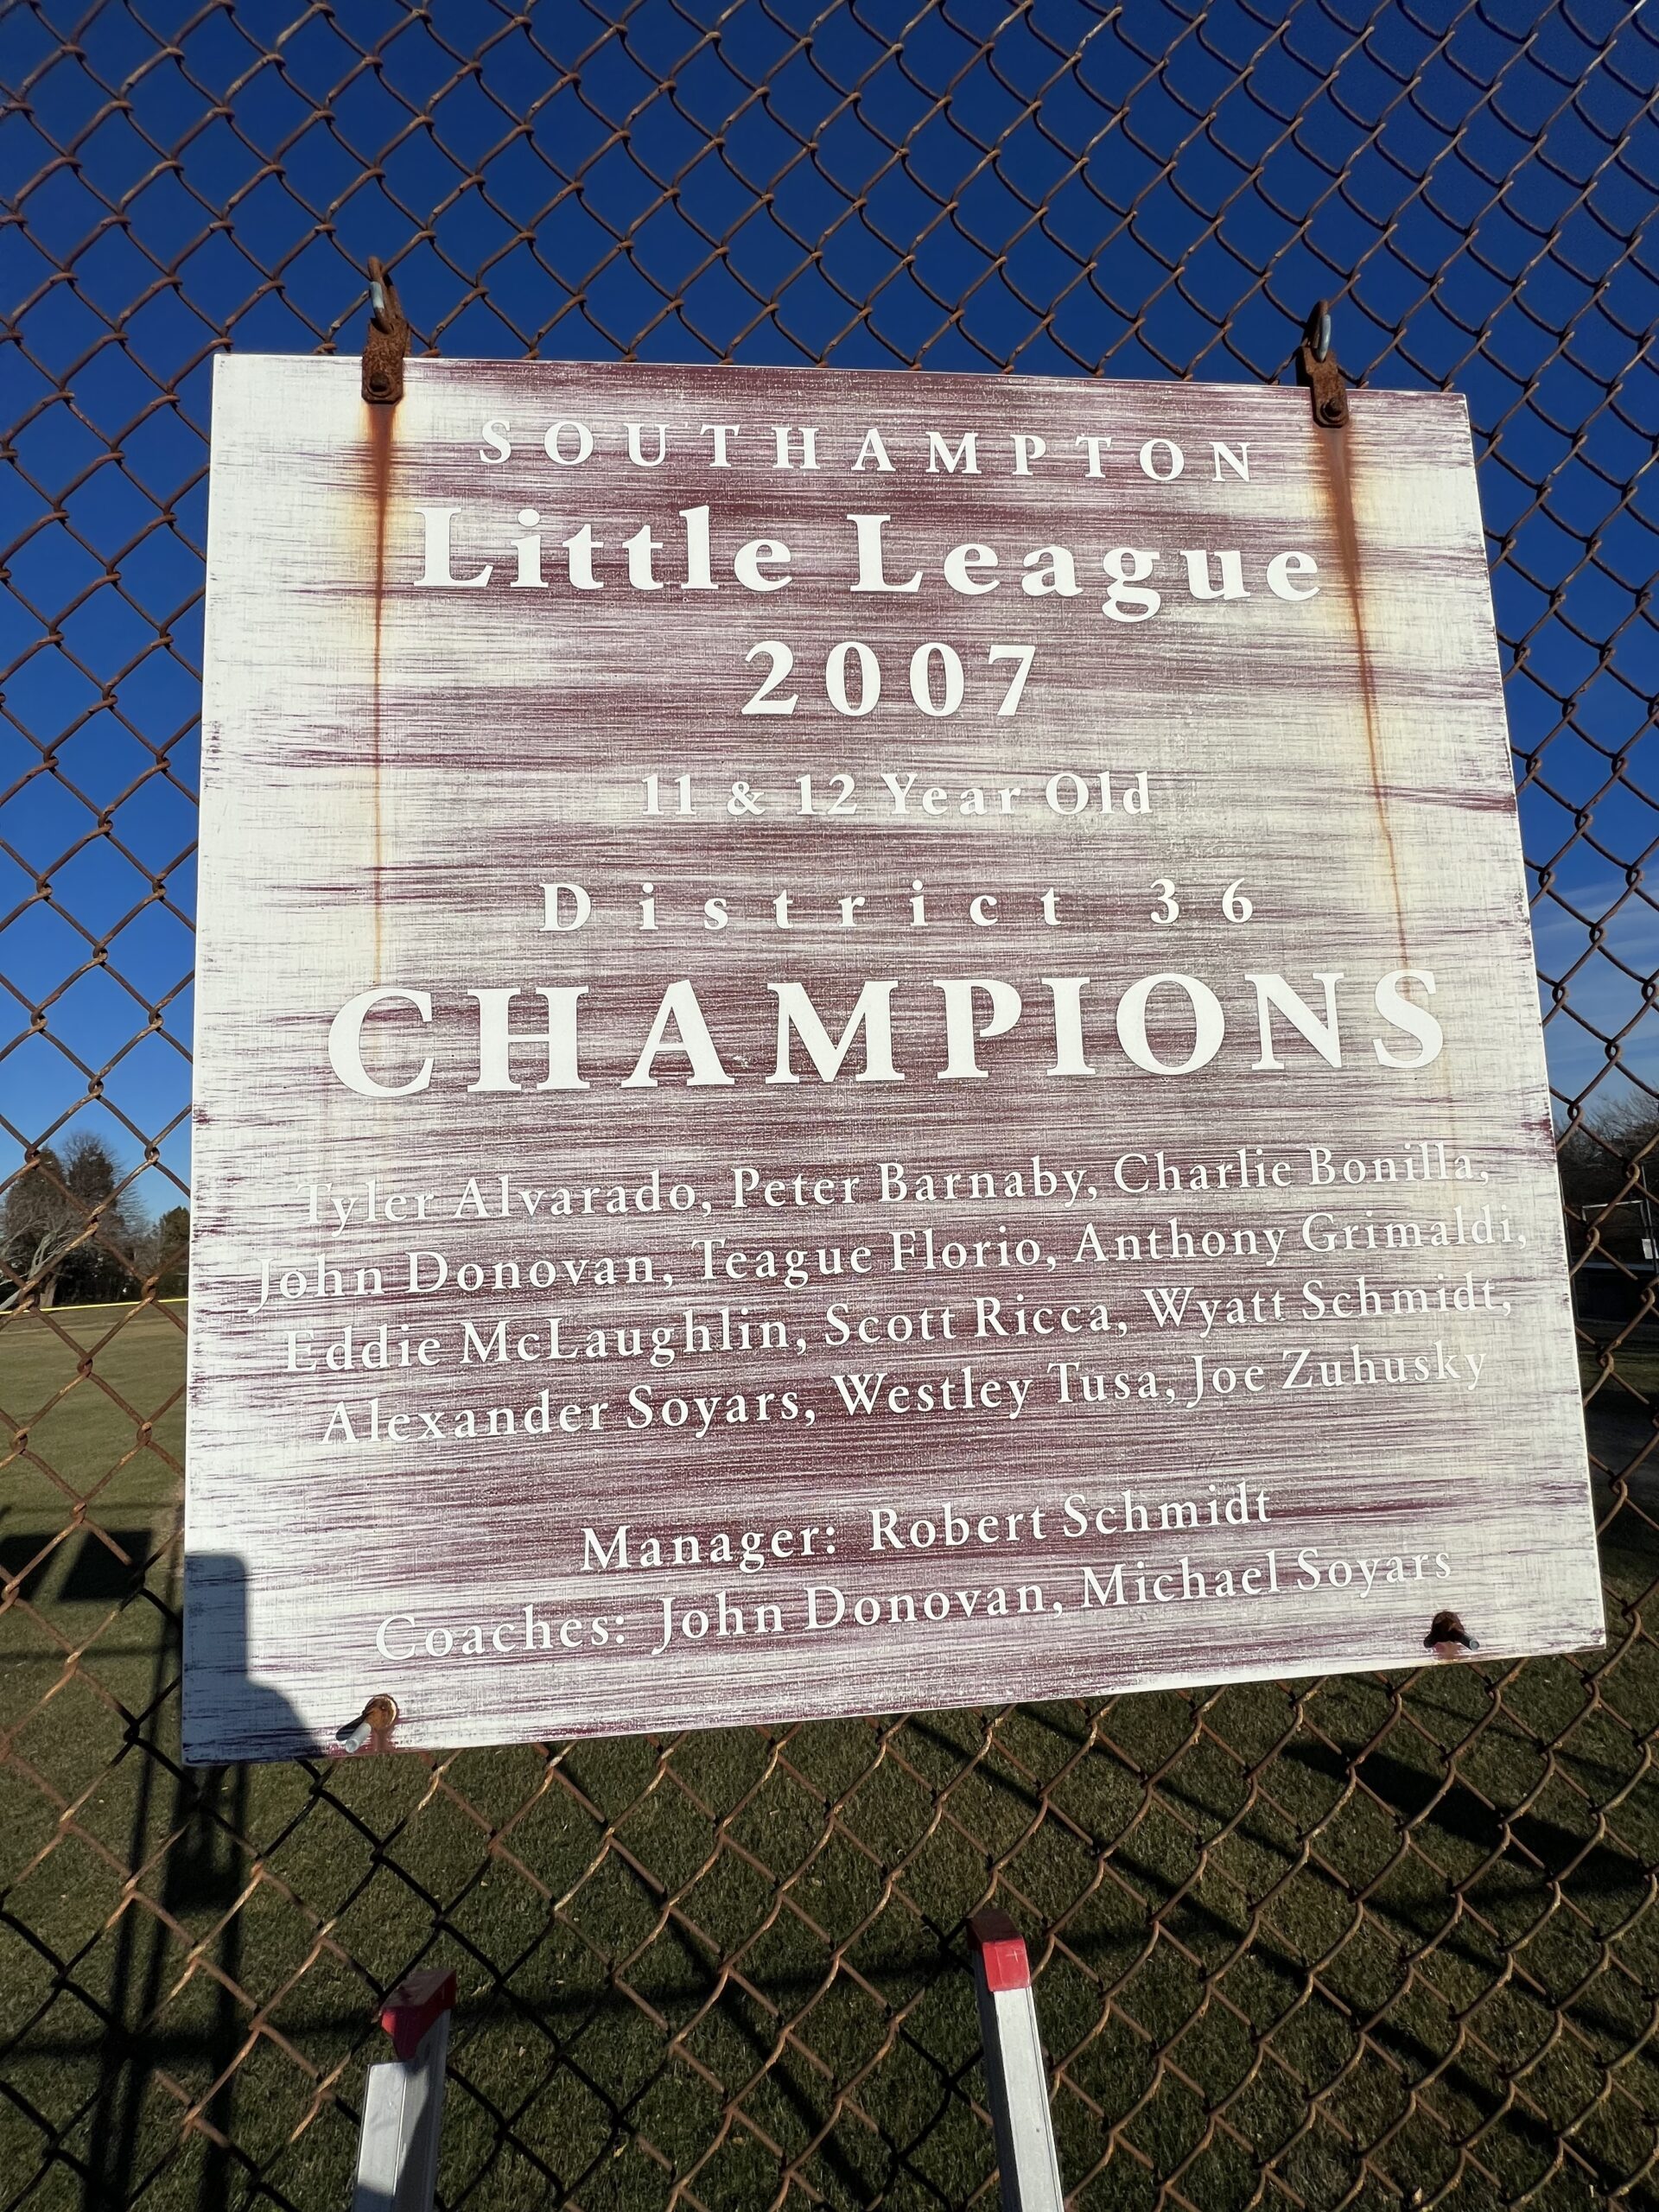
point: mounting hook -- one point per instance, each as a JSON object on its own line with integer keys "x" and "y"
{"x": 386, "y": 347}
{"x": 1317, "y": 368}
{"x": 1446, "y": 1628}
{"x": 372, "y": 1727}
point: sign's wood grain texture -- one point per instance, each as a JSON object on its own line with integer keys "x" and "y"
{"x": 1047, "y": 1328}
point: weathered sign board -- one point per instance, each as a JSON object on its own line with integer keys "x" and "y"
{"x": 866, "y": 1042}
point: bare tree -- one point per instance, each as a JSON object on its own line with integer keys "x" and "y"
{"x": 169, "y": 1253}
{"x": 1610, "y": 1177}
{"x": 67, "y": 1231}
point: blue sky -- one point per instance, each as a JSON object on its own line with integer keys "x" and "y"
{"x": 1059, "y": 188}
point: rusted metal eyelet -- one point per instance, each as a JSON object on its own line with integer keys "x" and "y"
{"x": 377, "y": 1719}
{"x": 1447, "y": 1629}
{"x": 1318, "y": 369}
{"x": 386, "y": 347}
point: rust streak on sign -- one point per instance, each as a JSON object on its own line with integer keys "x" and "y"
{"x": 1336, "y": 464}
{"x": 377, "y": 425}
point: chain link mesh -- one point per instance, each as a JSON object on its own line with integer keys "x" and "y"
{"x": 1367, "y": 1942}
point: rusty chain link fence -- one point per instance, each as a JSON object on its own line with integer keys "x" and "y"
{"x": 1368, "y": 1941}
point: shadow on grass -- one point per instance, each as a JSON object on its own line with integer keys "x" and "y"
{"x": 1544, "y": 1863}
{"x": 205, "y": 1872}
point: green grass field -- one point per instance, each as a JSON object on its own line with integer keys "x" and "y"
{"x": 1377, "y": 1937}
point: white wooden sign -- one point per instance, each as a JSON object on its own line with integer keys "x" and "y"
{"x": 865, "y": 1042}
